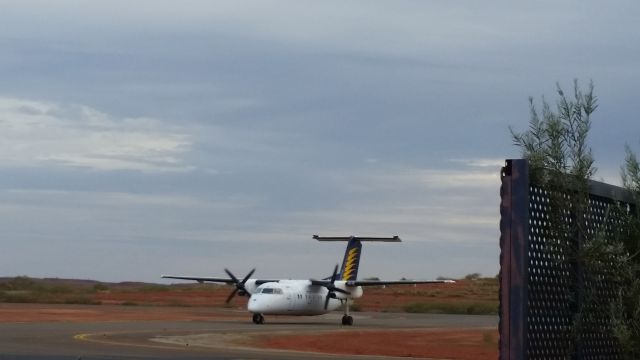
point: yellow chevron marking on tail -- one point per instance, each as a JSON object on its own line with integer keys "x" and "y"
{"x": 348, "y": 269}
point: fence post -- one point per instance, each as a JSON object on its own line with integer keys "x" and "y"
{"x": 514, "y": 259}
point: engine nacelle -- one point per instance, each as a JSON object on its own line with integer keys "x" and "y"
{"x": 354, "y": 291}
{"x": 251, "y": 286}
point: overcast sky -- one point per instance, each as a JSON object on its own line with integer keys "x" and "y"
{"x": 154, "y": 137}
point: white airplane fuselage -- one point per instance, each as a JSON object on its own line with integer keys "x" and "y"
{"x": 296, "y": 297}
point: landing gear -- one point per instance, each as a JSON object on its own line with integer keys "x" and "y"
{"x": 346, "y": 318}
{"x": 258, "y": 319}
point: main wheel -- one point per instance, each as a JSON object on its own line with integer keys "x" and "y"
{"x": 347, "y": 320}
{"x": 258, "y": 319}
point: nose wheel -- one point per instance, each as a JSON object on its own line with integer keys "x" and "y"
{"x": 258, "y": 319}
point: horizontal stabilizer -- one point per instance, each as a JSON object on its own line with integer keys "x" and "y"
{"x": 347, "y": 238}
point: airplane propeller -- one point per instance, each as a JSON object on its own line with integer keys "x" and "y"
{"x": 332, "y": 287}
{"x": 240, "y": 288}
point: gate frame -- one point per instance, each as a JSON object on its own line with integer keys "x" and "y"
{"x": 514, "y": 254}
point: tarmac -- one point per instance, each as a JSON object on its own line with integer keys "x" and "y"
{"x": 214, "y": 339}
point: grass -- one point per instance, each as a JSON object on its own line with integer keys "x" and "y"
{"x": 23, "y": 289}
{"x": 154, "y": 288}
{"x": 17, "y": 296}
{"x": 100, "y": 287}
{"x": 60, "y": 289}
{"x": 27, "y": 296}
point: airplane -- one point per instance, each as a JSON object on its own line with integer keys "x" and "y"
{"x": 308, "y": 297}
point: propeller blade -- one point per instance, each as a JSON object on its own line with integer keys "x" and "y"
{"x": 337, "y": 289}
{"x": 240, "y": 288}
{"x": 248, "y": 276}
{"x": 233, "y": 293}
{"x": 235, "y": 279}
{"x": 331, "y": 287}
{"x": 335, "y": 274}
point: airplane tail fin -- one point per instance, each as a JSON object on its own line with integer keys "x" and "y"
{"x": 351, "y": 260}
{"x": 352, "y": 254}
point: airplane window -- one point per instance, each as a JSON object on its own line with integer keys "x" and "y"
{"x": 272, "y": 291}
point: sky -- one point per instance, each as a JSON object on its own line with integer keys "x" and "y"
{"x": 172, "y": 137}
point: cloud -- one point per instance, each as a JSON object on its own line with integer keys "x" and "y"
{"x": 471, "y": 177}
{"x": 58, "y": 198}
{"x": 481, "y": 162}
{"x": 457, "y": 179}
{"x": 385, "y": 122}
{"x": 426, "y": 205}
{"x": 34, "y": 133}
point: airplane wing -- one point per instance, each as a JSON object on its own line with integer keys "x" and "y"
{"x": 396, "y": 282}
{"x": 202, "y": 279}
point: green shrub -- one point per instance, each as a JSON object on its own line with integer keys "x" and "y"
{"x": 100, "y": 287}
{"x": 18, "y": 296}
{"x": 474, "y": 276}
{"x": 21, "y": 283}
{"x": 154, "y": 288}
{"x": 59, "y": 289}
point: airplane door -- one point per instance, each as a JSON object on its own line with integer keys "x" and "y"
{"x": 290, "y": 300}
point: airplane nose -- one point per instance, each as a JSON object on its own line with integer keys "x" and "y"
{"x": 253, "y": 304}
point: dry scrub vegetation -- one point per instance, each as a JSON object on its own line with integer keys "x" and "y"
{"x": 472, "y": 295}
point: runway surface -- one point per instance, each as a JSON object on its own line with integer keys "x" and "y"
{"x": 214, "y": 339}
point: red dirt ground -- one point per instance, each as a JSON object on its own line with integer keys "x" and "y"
{"x": 209, "y": 297}
{"x": 459, "y": 344}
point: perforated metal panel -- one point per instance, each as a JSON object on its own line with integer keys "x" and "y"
{"x": 596, "y": 339}
{"x": 543, "y": 286}
{"x": 550, "y": 279}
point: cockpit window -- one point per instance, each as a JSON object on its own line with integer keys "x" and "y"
{"x": 271, "y": 291}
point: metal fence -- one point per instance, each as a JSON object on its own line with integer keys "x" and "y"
{"x": 541, "y": 287}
